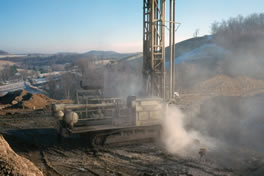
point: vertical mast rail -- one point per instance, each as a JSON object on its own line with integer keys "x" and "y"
{"x": 154, "y": 68}
{"x": 154, "y": 47}
{"x": 172, "y": 50}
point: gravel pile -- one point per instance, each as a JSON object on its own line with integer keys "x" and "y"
{"x": 229, "y": 86}
{"x": 26, "y": 100}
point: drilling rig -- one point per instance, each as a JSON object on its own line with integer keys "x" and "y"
{"x": 113, "y": 120}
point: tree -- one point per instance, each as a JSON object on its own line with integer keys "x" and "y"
{"x": 67, "y": 84}
{"x": 13, "y": 70}
{"x": 52, "y": 87}
{"x": 196, "y": 33}
{"x": 8, "y": 72}
{"x": 239, "y": 30}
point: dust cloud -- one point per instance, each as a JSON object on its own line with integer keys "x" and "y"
{"x": 178, "y": 140}
{"x": 230, "y": 129}
{"x": 124, "y": 78}
{"x": 233, "y": 121}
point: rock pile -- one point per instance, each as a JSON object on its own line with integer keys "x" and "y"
{"x": 26, "y": 100}
{"x": 13, "y": 164}
{"x": 229, "y": 86}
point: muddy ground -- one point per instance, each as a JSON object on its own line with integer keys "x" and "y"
{"x": 40, "y": 146}
{"x": 33, "y": 136}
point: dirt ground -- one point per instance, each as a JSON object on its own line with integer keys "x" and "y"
{"x": 33, "y": 136}
{"x": 39, "y": 145}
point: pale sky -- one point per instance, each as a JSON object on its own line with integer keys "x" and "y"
{"x": 50, "y": 26}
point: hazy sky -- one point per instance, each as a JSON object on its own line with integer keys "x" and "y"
{"x": 50, "y": 26}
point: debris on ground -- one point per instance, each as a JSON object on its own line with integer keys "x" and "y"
{"x": 13, "y": 164}
{"x": 229, "y": 86}
{"x": 33, "y": 136}
{"x": 25, "y": 100}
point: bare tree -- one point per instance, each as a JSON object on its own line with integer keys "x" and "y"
{"x": 196, "y": 33}
{"x": 8, "y": 72}
{"x": 67, "y": 85}
{"x": 52, "y": 87}
{"x": 239, "y": 30}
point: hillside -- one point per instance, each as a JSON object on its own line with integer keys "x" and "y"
{"x": 199, "y": 59}
{"x": 189, "y": 45}
{"x": 185, "y": 50}
{"x": 3, "y": 52}
{"x": 62, "y": 58}
{"x": 199, "y": 49}
{"x": 194, "y": 49}
{"x": 104, "y": 54}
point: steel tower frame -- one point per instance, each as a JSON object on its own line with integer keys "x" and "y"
{"x": 154, "y": 47}
{"x": 154, "y": 68}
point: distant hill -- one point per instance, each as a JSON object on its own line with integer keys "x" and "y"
{"x": 201, "y": 58}
{"x": 105, "y": 54}
{"x": 64, "y": 57}
{"x": 189, "y": 45}
{"x": 101, "y": 53}
{"x": 199, "y": 49}
{"x": 3, "y": 52}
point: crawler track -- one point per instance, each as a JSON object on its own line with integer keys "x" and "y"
{"x": 122, "y": 137}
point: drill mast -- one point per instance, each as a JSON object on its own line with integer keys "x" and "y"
{"x": 154, "y": 68}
